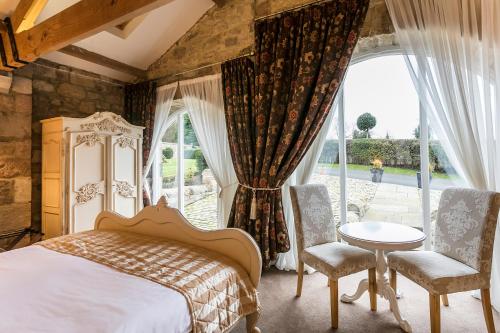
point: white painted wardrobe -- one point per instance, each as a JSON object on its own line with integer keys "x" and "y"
{"x": 89, "y": 165}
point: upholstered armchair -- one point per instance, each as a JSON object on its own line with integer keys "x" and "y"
{"x": 317, "y": 246}
{"x": 463, "y": 249}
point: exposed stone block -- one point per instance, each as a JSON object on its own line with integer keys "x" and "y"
{"x": 15, "y": 125}
{"x": 15, "y": 216}
{"x": 87, "y": 107}
{"x": 23, "y": 104}
{"x": 13, "y": 149}
{"x": 22, "y": 189}
{"x": 6, "y": 191}
{"x": 115, "y": 99}
{"x": 42, "y": 85}
{"x": 14, "y": 167}
{"x": 21, "y": 85}
{"x": 71, "y": 90}
{"x": 6, "y": 103}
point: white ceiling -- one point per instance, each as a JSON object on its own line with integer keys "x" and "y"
{"x": 160, "y": 29}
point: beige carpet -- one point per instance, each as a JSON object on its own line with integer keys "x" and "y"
{"x": 283, "y": 312}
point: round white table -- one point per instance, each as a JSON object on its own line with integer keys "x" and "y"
{"x": 380, "y": 236}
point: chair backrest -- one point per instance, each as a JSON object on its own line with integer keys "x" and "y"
{"x": 313, "y": 215}
{"x": 465, "y": 226}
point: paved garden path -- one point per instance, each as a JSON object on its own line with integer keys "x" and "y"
{"x": 390, "y": 178}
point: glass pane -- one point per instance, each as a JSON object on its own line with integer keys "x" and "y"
{"x": 169, "y": 165}
{"x": 200, "y": 187}
{"x": 383, "y": 150}
{"x": 327, "y": 170}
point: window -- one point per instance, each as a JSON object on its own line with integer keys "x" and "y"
{"x": 376, "y": 155}
{"x": 186, "y": 179}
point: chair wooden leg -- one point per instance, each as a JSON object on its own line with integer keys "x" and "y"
{"x": 300, "y": 277}
{"x": 488, "y": 315}
{"x": 444, "y": 299}
{"x": 435, "y": 313}
{"x": 393, "y": 280}
{"x": 252, "y": 322}
{"x": 334, "y": 303}
{"x": 372, "y": 288}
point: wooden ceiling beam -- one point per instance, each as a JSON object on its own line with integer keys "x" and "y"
{"x": 101, "y": 60}
{"x": 83, "y": 19}
{"x": 26, "y": 13}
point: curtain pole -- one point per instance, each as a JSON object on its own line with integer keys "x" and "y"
{"x": 215, "y": 63}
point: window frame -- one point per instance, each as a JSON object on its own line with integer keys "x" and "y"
{"x": 157, "y": 177}
{"x": 424, "y": 145}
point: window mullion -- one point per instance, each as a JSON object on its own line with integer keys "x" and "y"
{"x": 342, "y": 158}
{"x": 180, "y": 161}
{"x": 425, "y": 175}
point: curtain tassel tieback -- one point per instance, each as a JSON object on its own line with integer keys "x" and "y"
{"x": 222, "y": 189}
{"x": 253, "y": 205}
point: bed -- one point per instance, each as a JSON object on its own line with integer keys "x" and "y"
{"x": 154, "y": 272}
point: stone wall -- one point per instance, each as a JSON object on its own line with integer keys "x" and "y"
{"x": 15, "y": 150}
{"x": 227, "y": 32}
{"x": 63, "y": 91}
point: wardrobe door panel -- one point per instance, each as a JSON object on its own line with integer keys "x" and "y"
{"x": 87, "y": 183}
{"x": 124, "y": 175}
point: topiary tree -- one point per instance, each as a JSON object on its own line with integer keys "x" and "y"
{"x": 168, "y": 153}
{"x": 366, "y": 122}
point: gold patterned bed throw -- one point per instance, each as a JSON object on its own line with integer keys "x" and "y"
{"x": 218, "y": 291}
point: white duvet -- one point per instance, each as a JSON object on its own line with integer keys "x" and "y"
{"x": 46, "y": 291}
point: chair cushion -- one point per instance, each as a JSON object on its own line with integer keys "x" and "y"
{"x": 337, "y": 260}
{"x": 437, "y": 273}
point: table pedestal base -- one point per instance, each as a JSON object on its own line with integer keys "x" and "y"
{"x": 383, "y": 289}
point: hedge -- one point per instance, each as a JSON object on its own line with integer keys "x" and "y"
{"x": 402, "y": 153}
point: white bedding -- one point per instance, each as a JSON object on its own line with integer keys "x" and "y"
{"x": 46, "y": 291}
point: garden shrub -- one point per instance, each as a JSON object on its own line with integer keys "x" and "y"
{"x": 168, "y": 153}
{"x": 201, "y": 164}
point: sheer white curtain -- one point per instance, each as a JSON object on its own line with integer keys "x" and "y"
{"x": 164, "y": 98}
{"x": 176, "y": 107}
{"x": 204, "y": 102}
{"x": 301, "y": 175}
{"x": 453, "y": 54}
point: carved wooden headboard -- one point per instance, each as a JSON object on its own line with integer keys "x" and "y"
{"x": 163, "y": 221}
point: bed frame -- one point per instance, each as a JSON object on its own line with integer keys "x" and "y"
{"x": 165, "y": 222}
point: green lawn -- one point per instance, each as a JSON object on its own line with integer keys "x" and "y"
{"x": 391, "y": 170}
{"x": 170, "y": 166}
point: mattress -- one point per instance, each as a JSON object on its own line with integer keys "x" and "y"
{"x": 46, "y": 291}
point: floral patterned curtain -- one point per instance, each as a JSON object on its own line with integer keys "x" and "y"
{"x": 140, "y": 106}
{"x": 275, "y": 109}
